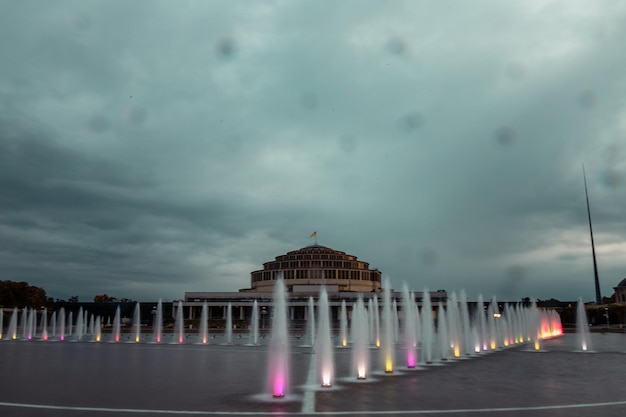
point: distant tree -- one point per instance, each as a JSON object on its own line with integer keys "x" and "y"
{"x": 127, "y": 300}
{"x": 104, "y": 298}
{"x": 21, "y": 294}
{"x": 73, "y": 299}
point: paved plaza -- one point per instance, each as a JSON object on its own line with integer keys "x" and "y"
{"x": 127, "y": 379}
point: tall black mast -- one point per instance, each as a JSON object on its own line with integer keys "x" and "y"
{"x": 593, "y": 247}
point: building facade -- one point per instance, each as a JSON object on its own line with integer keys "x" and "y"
{"x": 304, "y": 272}
{"x": 316, "y": 265}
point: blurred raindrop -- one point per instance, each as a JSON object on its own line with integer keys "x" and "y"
{"x": 347, "y": 143}
{"x": 516, "y": 71}
{"x": 587, "y": 99}
{"x": 137, "y": 115}
{"x": 98, "y": 124}
{"x": 517, "y": 273}
{"x": 514, "y": 283}
{"x": 309, "y": 101}
{"x": 397, "y": 46}
{"x": 613, "y": 178}
{"x": 505, "y": 136}
{"x": 429, "y": 256}
{"x": 412, "y": 121}
{"x": 225, "y": 47}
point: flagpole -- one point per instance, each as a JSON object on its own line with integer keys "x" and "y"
{"x": 593, "y": 247}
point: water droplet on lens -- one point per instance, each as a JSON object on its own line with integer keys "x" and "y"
{"x": 505, "y": 136}
{"x": 225, "y": 47}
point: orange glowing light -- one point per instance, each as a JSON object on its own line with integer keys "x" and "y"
{"x": 457, "y": 352}
{"x": 537, "y": 345}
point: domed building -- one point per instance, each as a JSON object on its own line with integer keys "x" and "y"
{"x": 307, "y": 268}
{"x": 620, "y": 292}
{"x": 304, "y": 272}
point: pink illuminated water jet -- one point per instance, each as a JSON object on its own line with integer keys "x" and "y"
{"x": 278, "y": 364}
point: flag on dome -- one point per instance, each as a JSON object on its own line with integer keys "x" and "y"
{"x": 314, "y": 234}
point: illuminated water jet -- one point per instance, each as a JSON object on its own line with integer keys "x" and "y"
{"x": 157, "y": 323}
{"x": 582, "y": 327}
{"x": 137, "y": 323}
{"x": 387, "y": 346}
{"x": 428, "y": 330}
{"x": 179, "y": 325}
{"x": 360, "y": 340}
{"x": 323, "y": 346}
{"x": 254, "y": 324}
{"x": 278, "y": 363}
{"x": 228, "y": 331}
{"x": 204, "y": 324}
{"x": 117, "y": 325}
{"x": 343, "y": 324}
{"x": 410, "y": 336}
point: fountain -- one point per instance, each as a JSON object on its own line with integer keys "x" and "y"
{"x": 387, "y": 346}
{"x": 311, "y": 321}
{"x": 442, "y": 333}
{"x": 92, "y": 324}
{"x": 410, "y": 336}
{"x": 117, "y": 325}
{"x": 466, "y": 328}
{"x": 395, "y": 321}
{"x": 228, "y": 331}
{"x": 179, "y": 325}
{"x": 375, "y": 316}
{"x": 493, "y": 312}
{"x": 454, "y": 326}
{"x": 481, "y": 321}
{"x": 360, "y": 340}
{"x": 31, "y": 324}
{"x": 582, "y": 327}
{"x": 157, "y": 324}
{"x": 12, "y": 330}
{"x": 44, "y": 325}
{"x": 204, "y": 324}
{"x": 97, "y": 329}
{"x": 61, "y": 323}
{"x": 70, "y": 323}
{"x": 343, "y": 324}
{"x": 428, "y": 331}
{"x": 53, "y": 323}
{"x": 78, "y": 333}
{"x": 323, "y": 346}
{"x": 254, "y": 324}
{"x": 278, "y": 363}
{"x": 137, "y": 323}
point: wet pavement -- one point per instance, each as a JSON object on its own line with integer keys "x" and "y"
{"x": 127, "y": 379}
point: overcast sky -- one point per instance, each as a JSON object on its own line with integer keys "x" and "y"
{"x": 148, "y": 148}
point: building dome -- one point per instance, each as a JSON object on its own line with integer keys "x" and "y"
{"x": 317, "y": 265}
{"x": 622, "y": 283}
